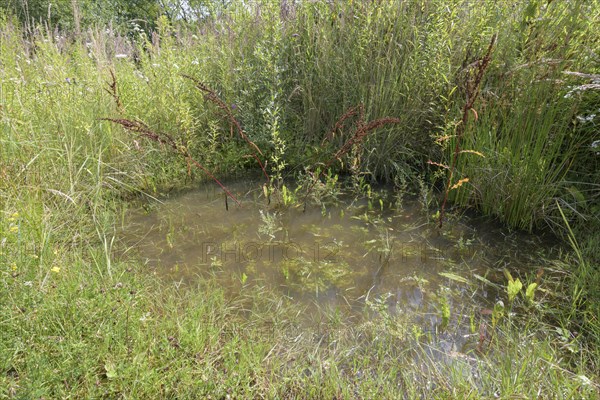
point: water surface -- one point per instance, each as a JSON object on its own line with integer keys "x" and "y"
{"x": 359, "y": 257}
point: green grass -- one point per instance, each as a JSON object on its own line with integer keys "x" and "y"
{"x": 81, "y": 333}
{"x": 77, "y": 321}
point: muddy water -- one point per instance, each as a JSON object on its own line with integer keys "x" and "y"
{"x": 357, "y": 257}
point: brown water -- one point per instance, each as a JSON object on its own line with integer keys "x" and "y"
{"x": 350, "y": 257}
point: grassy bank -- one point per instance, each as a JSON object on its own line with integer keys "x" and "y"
{"x": 83, "y": 336}
{"x": 77, "y": 321}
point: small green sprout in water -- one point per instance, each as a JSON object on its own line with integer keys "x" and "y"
{"x": 286, "y": 272}
{"x": 445, "y": 311}
{"x": 417, "y": 332}
{"x": 288, "y": 197}
{"x": 323, "y": 210}
{"x": 171, "y": 237}
{"x": 244, "y": 278}
{"x": 514, "y": 286}
{"x": 497, "y": 313}
{"x": 270, "y": 225}
{"x": 463, "y": 243}
{"x": 215, "y": 262}
{"x": 530, "y": 292}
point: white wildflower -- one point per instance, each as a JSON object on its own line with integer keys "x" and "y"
{"x": 583, "y": 119}
{"x": 145, "y": 317}
{"x": 596, "y": 145}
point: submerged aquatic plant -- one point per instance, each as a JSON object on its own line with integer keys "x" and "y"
{"x": 270, "y": 224}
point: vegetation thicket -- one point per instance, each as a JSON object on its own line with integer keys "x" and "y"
{"x": 375, "y": 90}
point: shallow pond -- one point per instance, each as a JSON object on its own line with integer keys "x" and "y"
{"x": 360, "y": 257}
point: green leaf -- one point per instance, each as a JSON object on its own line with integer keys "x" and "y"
{"x": 513, "y": 289}
{"x": 445, "y": 311}
{"x": 454, "y": 277}
{"x": 577, "y": 195}
{"x": 111, "y": 370}
{"x": 486, "y": 281}
{"x": 498, "y": 312}
{"x": 530, "y": 292}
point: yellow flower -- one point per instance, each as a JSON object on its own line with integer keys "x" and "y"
{"x": 14, "y": 266}
{"x": 15, "y": 215}
{"x": 14, "y": 229}
{"x": 55, "y": 269}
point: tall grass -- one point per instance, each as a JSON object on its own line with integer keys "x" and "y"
{"x": 289, "y": 73}
{"x": 527, "y": 152}
{"x": 526, "y": 129}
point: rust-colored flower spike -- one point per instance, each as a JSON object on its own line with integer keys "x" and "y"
{"x": 361, "y": 132}
{"x": 473, "y": 87}
{"x": 211, "y": 96}
{"x": 113, "y": 90}
{"x": 339, "y": 125}
{"x": 142, "y": 129}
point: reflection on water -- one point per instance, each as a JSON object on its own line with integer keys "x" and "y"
{"x": 340, "y": 257}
